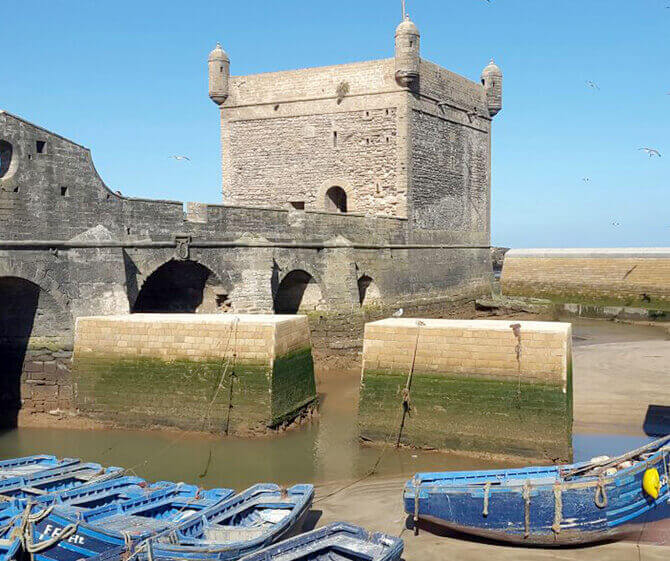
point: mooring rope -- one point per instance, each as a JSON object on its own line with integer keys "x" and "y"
{"x": 67, "y": 532}
{"x": 487, "y": 492}
{"x": 526, "y": 499}
{"x": 601, "y": 493}
{"x": 408, "y": 384}
{"x": 558, "y": 508}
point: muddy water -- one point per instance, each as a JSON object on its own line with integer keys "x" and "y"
{"x": 325, "y": 451}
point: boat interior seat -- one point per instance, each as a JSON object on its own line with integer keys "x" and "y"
{"x": 132, "y": 523}
{"x": 228, "y": 534}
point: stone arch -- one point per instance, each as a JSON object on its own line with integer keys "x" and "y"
{"x": 297, "y": 292}
{"x": 368, "y": 291}
{"x": 182, "y": 286}
{"x": 336, "y": 200}
{"x": 27, "y": 312}
{"x": 336, "y": 195}
{"x": 10, "y": 155}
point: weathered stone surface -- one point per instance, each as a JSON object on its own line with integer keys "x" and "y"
{"x": 629, "y": 277}
{"x": 480, "y": 385}
{"x": 187, "y": 370}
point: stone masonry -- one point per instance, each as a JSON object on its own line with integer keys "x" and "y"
{"x": 483, "y": 385}
{"x": 349, "y": 191}
{"x": 630, "y": 277}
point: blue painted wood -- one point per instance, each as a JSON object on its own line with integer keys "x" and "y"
{"x": 30, "y": 465}
{"x": 256, "y": 518}
{"x": 456, "y": 500}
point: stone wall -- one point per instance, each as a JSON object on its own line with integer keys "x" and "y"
{"x": 630, "y": 277}
{"x": 480, "y": 385}
{"x": 185, "y": 370}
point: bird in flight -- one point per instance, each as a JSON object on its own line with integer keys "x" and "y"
{"x": 592, "y": 85}
{"x": 180, "y": 158}
{"x": 616, "y": 224}
{"x": 586, "y": 179}
{"x": 651, "y": 151}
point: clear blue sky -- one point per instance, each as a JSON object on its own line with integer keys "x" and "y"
{"x": 128, "y": 80}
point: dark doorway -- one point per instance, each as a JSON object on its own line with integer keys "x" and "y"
{"x": 19, "y": 300}
{"x": 184, "y": 287}
{"x": 298, "y": 291}
{"x": 336, "y": 200}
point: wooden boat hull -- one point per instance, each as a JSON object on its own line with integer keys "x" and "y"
{"x": 542, "y": 512}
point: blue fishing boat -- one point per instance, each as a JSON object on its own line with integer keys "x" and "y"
{"x": 68, "y": 532}
{"x": 29, "y": 465}
{"x": 558, "y": 505}
{"x": 46, "y": 481}
{"x": 335, "y": 542}
{"x": 247, "y": 522}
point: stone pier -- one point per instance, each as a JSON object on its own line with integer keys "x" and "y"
{"x": 478, "y": 385}
{"x": 200, "y": 372}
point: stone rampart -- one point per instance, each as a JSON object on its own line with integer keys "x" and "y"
{"x": 631, "y": 277}
{"x": 187, "y": 371}
{"x": 483, "y": 386}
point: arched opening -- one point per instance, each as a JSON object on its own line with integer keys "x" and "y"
{"x": 336, "y": 199}
{"x": 183, "y": 287}
{"x": 368, "y": 292}
{"x": 25, "y": 311}
{"x": 6, "y": 151}
{"x": 297, "y": 292}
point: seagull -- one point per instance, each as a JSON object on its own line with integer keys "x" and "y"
{"x": 651, "y": 151}
{"x": 420, "y": 323}
{"x": 180, "y": 158}
{"x": 616, "y": 224}
{"x": 592, "y": 85}
{"x": 586, "y": 179}
{"x": 398, "y": 313}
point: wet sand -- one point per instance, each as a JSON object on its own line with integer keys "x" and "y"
{"x": 376, "y": 505}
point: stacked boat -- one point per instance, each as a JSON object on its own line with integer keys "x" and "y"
{"x": 55, "y": 509}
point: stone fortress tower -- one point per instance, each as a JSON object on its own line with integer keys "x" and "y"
{"x": 400, "y": 137}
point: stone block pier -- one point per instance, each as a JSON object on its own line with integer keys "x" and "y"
{"x": 482, "y": 386}
{"x": 218, "y": 372}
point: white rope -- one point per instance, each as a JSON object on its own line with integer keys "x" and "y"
{"x": 601, "y": 493}
{"x": 487, "y": 491}
{"x": 68, "y": 531}
{"x": 558, "y": 508}
{"x": 526, "y": 499}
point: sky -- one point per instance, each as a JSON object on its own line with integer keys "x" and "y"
{"x": 129, "y": 81}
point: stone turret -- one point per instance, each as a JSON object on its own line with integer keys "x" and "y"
{"x": 219, "y": 75}
{"x": 492, "y": 80}
{"x": 407, "y": 53}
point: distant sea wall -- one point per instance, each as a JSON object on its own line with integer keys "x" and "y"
{"x": 477, "y": 385}
{"x": 635, "y": 277}
{"x": 249, "y": 373}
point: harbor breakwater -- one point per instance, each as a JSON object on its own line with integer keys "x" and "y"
{"x": 600, "y": 278}
{"x": 220, "y": 373}
{"x": 482, "y": 386}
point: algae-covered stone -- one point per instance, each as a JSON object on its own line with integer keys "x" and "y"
{"x": 200, "y": 372}
{"x": 481, "y": 386}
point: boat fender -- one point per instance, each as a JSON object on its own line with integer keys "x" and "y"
{"x": 601, "y": 493}
{"x": 599, "y": 459}
{"x": 625, "y": 465}
{"x": 651, "y": 483}
{"x": 610, "y": 472}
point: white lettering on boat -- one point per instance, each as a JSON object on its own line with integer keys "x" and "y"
{"x": 55, "y": 531}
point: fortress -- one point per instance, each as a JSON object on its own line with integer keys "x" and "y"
{"x": 346, "y": 190}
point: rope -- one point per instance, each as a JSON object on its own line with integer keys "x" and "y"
{"x": 667, "y": 473}
{"x": 408, "y": 385}
{"x": 40, "y": 515}
{"x": 487, "y": 492}
{"x": 416, "y": 482}
{"x": 558, "y": 508}
{"x": 601, "y": 493}
{"x": 526, "y": 499}
{"x": 32, "y": 547}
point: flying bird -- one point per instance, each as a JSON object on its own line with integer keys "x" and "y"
{"x": 651, "y": 151}
{"x": 180, "y": 158}
{"x": 586, "y": 179}
{"x": 592, "y": 85}
{"x": 616, "y": 224}
{"x": 398, "y": 313}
